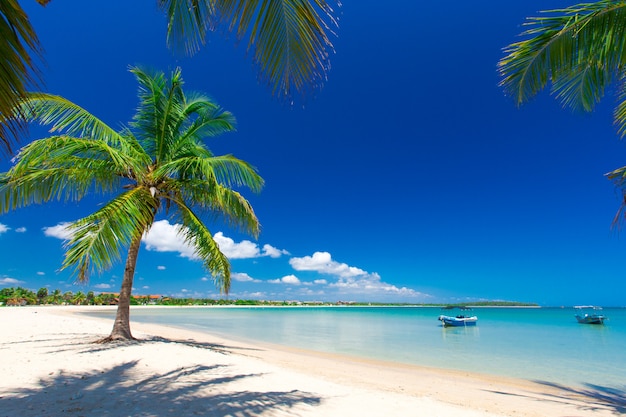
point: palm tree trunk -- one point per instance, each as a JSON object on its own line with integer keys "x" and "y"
{"x": 121, "y": 327}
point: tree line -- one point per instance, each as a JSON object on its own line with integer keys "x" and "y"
{"x": 18, "y": 296}
{"x": 21, "y": 297}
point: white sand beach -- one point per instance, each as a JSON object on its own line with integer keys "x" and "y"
{"x": 50, "y": 366}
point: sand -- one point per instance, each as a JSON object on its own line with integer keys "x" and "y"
{"x": 50, "y": 366}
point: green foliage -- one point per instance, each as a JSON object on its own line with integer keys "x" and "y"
{"x": 579, "y": 50}
{"x": 17, "y": 70}
{"x": 111, "y": 299}
{"x": 42, "y": 294}
{"x": 17, "y": 296}
{"x": 289, "y": 40}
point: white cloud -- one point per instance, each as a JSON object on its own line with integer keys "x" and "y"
{"x": 161, "y": 268}
{"x": 102, "y": 286}
{"x": 372, "y": 284}
{"x": 288, "y": 279}
{"x": 242, "y": 250}
{"x": 245, "y": 249}
{"x": 60, "y": 231}
{"x": 322, "y": 262}
{"x": 10, "y": 281}
{"x": 41, "y": 273}
{"x": 256, "y": 295}
{"x": 243, "y": 277}
{"x": 352, "y": 281}
{"x": 4, "y": 228}
{"x": 164, "y": 237}
{"x": 272, "y": 252}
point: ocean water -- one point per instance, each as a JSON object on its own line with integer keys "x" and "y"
{"x": 541, "y": 344}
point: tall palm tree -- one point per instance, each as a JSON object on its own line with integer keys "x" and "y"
{"x": 580, "y": 51}
{"x": 158, "y": 165}
{"x": 289, "y": 41}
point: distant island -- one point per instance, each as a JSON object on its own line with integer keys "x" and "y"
{"x": 20, "y": 297}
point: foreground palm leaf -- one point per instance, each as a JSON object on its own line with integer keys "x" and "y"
{"x": 17, "y": 70}
{"x": 289, "y": 41}
{"x": 158, "y": 165}
{"x": 580, "y": 50}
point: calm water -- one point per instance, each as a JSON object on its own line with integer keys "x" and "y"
{"x": 544, "y": 344}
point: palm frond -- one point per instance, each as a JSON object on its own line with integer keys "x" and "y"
{"x": 214, "y": 202}
{"x": 289, "y": 39}
{"x": 200, "y": 119}
{"x": 619, "y": 115}
{"x": 226, "y": 170}
{"x": 63, "y": 168}
{"x": 196, "y": 234}
{"x": 97, "y": 239}
{"x": 145, "y": 121}
{"x": 160, "y": 111}
{"x": 188, "y": 22}
{"x": 210, "y": 119}
{"x": 586, "y": 40}
{"x": 618, "y": 177}
{"x": 17, "y": 69}
{"x": 64, "y": 116}
{"x": 233, "y": 207}
{"x": 583, "y": 87}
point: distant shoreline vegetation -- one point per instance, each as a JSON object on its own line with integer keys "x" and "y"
{"x": 21, "y": 297}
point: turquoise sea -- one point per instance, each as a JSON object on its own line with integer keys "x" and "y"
{"x": 541, "y": 344}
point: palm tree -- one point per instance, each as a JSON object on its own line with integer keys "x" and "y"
{"x": 580, "y": 50}
{"x": 67, "y": 297}
{"x": 157, "y": 165}
{"x": 42, "y": 295}
{"x": 56, "y": 297}
{"x": 79, "y": 298}
{"x": 289, "y": 41}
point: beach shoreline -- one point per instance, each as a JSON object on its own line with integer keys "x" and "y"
{"x": 55, "y": 368}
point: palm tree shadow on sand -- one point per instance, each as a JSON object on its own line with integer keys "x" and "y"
{"x": 98, "y": 345}
{"x": 594, "y": 397}
{"x": 187, "y": 391}
{"x": 129, "y": 390}
{"x": 588, "y": 398}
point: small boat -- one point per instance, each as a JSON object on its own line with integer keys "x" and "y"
{"x": 588, "y": 315}
{"x": 458, "y": 321}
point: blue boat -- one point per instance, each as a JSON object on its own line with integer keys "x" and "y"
{"x": 460, "y": 320}
{"x": 588, "y": 315}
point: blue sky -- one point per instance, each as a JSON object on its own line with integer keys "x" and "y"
{"x": 409, "y": 177}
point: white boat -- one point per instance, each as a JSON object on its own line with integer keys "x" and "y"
{"x": 458, "y": 321}
{"x": 589, "y": 315}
